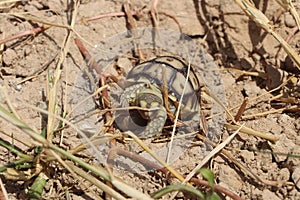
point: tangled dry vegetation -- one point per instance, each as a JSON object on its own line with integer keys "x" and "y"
{"x": 44, "y": 43}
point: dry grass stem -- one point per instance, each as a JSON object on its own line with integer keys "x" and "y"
{"x": 146, "y": 148}
{"x": 280, "y": 110}
{"x": 208, "y": 157}
{"x": 243, "y": 72}
{"x": 95, "y": 181}
{"x": 53, "y": 84}
{"x": 211, "y": 154}
{"x": 29, "y": 41}
{"x": 250, "y": 131}
{"x": 9, "y": 1}
{"x": 289, "y": 6}
{"x": 262, "y": 21}
{"x": 8, "y": 101}
{"x": 178, "y": 111}
{"x": 117, "y": 14}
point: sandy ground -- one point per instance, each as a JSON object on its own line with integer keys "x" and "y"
{"x": 226, "y": 34}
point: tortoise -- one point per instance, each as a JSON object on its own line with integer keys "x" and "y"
{"x": 156, "y": 86}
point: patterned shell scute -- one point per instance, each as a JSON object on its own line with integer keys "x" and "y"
{"x": 172, "y": 72}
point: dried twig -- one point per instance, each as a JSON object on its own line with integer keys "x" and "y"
{"x": 108, "y": 117}
{"x": 211, "y": 154}
{"x": 262, "y": 21}
{"x": 241, "y": 109}
{"x": 52, "y": 88}
{"x": 2, "y": 48}
{"x": 155, "y": 166}
{"x": 280, "y": 110}
{"x": 132, "y": 27}
{"x": 116, "y": 14}
{"x": 289, "y": 6}
{"x": 25, "y": 33}
{"x": 154, "y": 13}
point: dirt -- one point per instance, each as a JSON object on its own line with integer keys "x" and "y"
{"x": 225, "y": 32}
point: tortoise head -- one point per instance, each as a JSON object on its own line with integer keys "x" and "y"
{"x": 149, "y": 97}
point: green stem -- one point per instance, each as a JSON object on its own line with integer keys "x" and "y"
{"x": 15, "y": 151}
{"x": 13, "y": 164}
{"x": 172, "y": 188}
{"x": 36, "y": 136}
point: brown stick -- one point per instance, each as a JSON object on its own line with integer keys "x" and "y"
{"x": 25, "y": 33}
{"x": 103, "y": 76}
{"x": 87, "y": 57}
{"x": 241, "y": 110}
{"x": 148, "y": 163}
{"x": 243, "y": 167}
{"x": 117, "y": 14}
{"x": 153, "y": 13}
{"x": 132, "y": 27}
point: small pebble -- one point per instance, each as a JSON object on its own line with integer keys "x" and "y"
{"x": 9, "y": 56}
{"x": 18, "y": 88}
{"x": 37, "y": 5}
{"x": 29, "y": 8}
{"x": 284, "y": 146}
{"x": 248, "y": 156}
{"x": 275, "y": 77}
{"x": 247, "y": 63}
{"x": 284, "y": 174}
{"x": 125, "y": 64}
{"x": 267, "y": 194}
{"x": 289, "y": 21}
{"x": 256, "y": 57}
{"x": 252, "y": 89}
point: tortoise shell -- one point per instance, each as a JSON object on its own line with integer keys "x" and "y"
{"x": 143, "y": 87}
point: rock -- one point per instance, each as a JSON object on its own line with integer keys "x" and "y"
{"x": 284, "y": 146}
{"x": 267, "y": 194}
{"x": 37, "y": 5}
{"x": 289, "y": 20}
{"x": 267, "y": 167}
{"x": 256, "y": 193}
{"x": 56, "y": 5}
{"x": 229, "y": 80}
{"x": 9, "y": 56}
{"x": 247, "y": 63}
{"x": 275, "y": 77}
{"x": 284, "y": 174}
{"x": 297, "y": 124}
{"x": 289, "y": 65}
{"x": 256, "y": 57}
{"x": 252, "y": 89}
{"x": 285, "y": 120}
{"x": 30, "y": 8}
{"x": 124, "y": 64}
{"x": 229, "y": 178}
{"x": 248, "y": 156}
